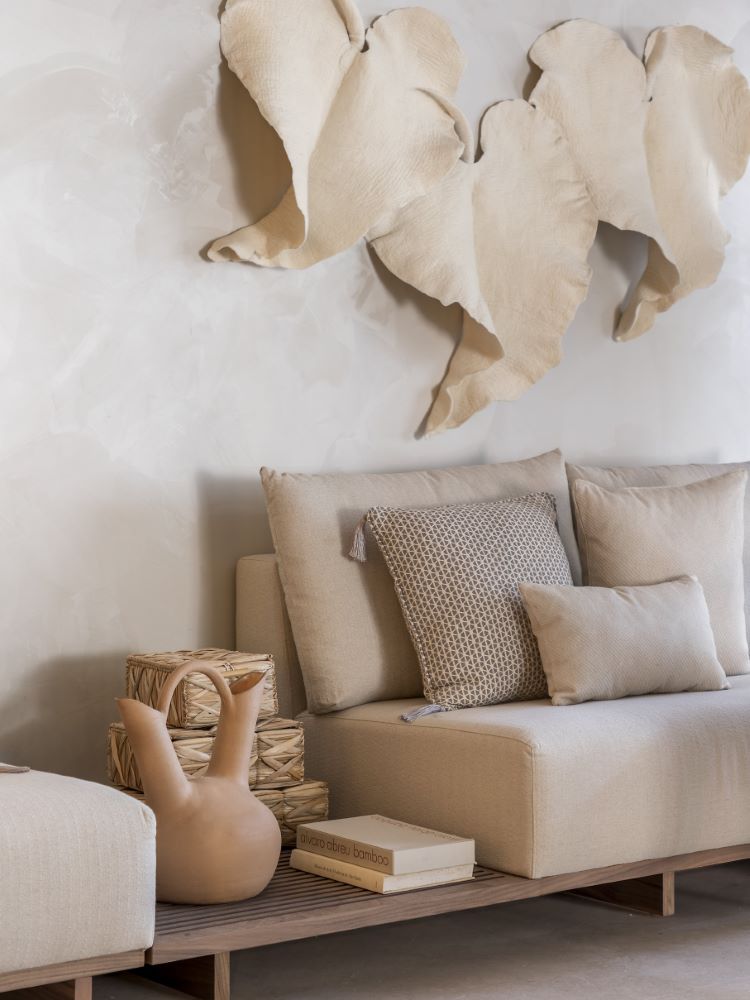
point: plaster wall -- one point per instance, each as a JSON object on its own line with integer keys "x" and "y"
{"x": 141, "y": 387}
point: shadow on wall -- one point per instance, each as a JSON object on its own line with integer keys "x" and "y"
{"x": 57, "y": 716}
{"x": 446, "y": 321}
{"x": 232, "y": 523}
{"x": 63, "y": 710}
{"x": 628, "y": 252}
{"x": 261, "y": 169}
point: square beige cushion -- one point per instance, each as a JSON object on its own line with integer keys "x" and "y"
{"x": 668, "y": 475}
{"x": 648, "y": 534}
{"x": 456, "y": 570}
{"x": 350, "y": 635}
{"x": 545, "y": 791}
{"x": 78, "y": 871}
{"x": 599, "y": 643}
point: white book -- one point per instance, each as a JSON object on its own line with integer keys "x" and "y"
{"x": 385, "y": 845}
{"x": 366, "y": 878}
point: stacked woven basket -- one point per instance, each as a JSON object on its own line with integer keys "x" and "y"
{"x": 277, "y": 766}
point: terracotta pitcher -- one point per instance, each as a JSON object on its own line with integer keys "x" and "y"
{"x": 215, "y": 841}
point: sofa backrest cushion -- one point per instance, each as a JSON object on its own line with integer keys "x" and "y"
{"x": 647, "y": 534}
{"x": 352, "y": 642}
{"x": 615, "y": 477}
{"x": 263, "y": 623}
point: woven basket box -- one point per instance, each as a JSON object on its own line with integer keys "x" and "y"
{"x": 277, "y": 758}
{"x": 196, "y": 703}
{"x": 305, "y": 803}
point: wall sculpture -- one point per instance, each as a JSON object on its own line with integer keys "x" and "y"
{"x": 365, "y": 118}
{"x": 658, "y": 141}
{"x": 481, "y": 238}
{"x": 378, "y": 150}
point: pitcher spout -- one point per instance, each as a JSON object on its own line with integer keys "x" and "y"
{"x": 164, "y": 782}
{"x": 236, "y": 730}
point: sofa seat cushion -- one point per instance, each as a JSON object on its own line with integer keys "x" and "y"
{"x": 78, "y": 870}
{"x": 546, "y": 790}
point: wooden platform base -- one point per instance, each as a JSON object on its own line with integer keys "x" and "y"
{"x": 297, "y": 905}
{"x": 206, "y": 978}
{"x": 192, "y": 944}
{"x": 71, "y": 989}
{"x": 68, "y": 980}
{"x": 653, "y": 895}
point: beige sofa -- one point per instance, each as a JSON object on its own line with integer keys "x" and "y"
{"x": 542, "y": 790}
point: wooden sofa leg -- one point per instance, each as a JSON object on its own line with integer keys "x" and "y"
{"x": 69, "y": 989}
{"x": 653, "y": 894}
{"x": 205, "y": 978}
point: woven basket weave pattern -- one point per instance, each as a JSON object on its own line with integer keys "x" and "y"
{"x": 196, "y": 703}
{"x": 276, "y": 771}
{"x": 277, "y": 758}
{"x": 305, "y": 803}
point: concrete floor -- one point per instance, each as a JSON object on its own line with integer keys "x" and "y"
{"x": 558, "y": 948}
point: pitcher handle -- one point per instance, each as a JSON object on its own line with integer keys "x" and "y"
{"x": 212, "y": 670}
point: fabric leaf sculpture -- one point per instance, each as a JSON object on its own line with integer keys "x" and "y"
{"x": 658, "y": 141}
{"x": 365, "y": 118}
{"x": 377, "y": 150}
{"x": 507, "y": 237}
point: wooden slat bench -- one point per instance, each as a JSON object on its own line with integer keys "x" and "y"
{"x": 192, "y": 943}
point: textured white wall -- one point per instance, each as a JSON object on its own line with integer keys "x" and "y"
{"x": 142, "y": 386}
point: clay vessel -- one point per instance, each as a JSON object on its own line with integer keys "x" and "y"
{"x": 215, "y": 841}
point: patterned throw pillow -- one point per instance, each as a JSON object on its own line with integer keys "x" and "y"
{"x": 457, "y": 571}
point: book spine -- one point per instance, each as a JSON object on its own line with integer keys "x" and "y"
{"x": 353, "y": 852}
{"x": 316, "y": 864}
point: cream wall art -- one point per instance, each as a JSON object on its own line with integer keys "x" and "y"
{"x": 481, "y": 238}
{"x": 378, "y": 151}
{"x": 659, "y": 142}
{"x": 365, "y": 118}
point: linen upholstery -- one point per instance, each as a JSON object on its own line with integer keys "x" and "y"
{"x": 598, "y": 643}
{"x": 456, "y": 570}
{"x": 616, "y": 477}
{"x": 78, "y": 871}
{"x": 642, "y": 534}
{"x": 263, "y": 625}
{"x": 545, "y": 792}
{"x": 349, "y": 632}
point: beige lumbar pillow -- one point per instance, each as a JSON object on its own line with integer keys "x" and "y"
{"x": 456, "y": 571}
{"x": 643, "y": 535}
{"x": 599, "y": 643}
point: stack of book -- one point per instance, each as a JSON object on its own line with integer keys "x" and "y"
{"x": 381, "y": 854}
{"x": 276, "y": 769}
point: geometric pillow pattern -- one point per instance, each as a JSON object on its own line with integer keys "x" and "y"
{"x": 456, "y": 570}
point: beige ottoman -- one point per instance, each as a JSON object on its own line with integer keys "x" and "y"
{"x": 78, "y": 872}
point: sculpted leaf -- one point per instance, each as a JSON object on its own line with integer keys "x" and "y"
{"x": 507, "y": 238}
{"x": 365, "y": 118}
{"x": 658, "y": 144}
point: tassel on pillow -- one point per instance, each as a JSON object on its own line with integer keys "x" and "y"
{"x": 358, "y": 550}
{"x": 419, "y": 713}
